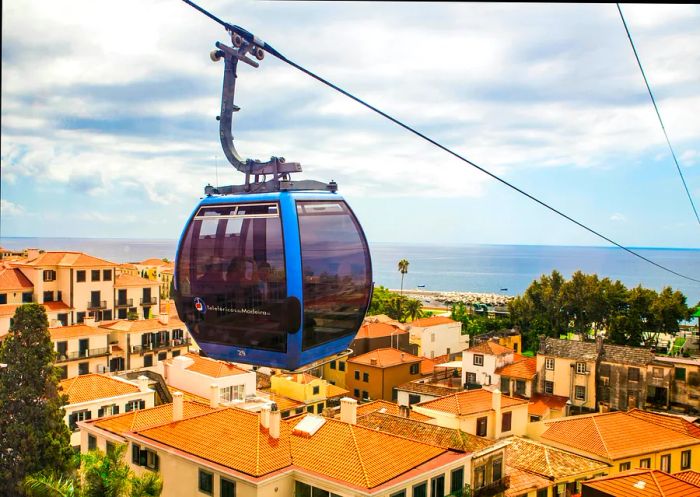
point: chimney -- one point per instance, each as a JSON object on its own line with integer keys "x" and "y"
{"x": 90, "y": 321}
{"x": 348, "y": 410}
{"x": 163, "y": 317}
{"x": 32, "y": 254}
{"x": 599, "y": 344}
{"x": 265, "y": 416}
{"x": 496, "y": 406}
{"x": 177, "y": 406}
{"x": 373, "y": 361}
{"x": 404, "y": 411}
{"x": 213, "y": 395}
{"x": 275, "y": 420}
{"x": 402, "y": 356}
{"x": 143, "y": 383}
{"x": 543, "y": 340}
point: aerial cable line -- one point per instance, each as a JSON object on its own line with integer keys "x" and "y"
{"x": 658, "y": 114}
{"x": 272, "y": 51}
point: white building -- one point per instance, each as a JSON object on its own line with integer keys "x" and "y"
{"x": 479, "y": 363}
{"x": 95, "y": 396}
{"x": 437, "y": 335}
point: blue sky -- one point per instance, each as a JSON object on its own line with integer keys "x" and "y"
{"x": 108, "y": 113}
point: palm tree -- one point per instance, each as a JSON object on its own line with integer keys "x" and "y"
{"x": 403, "y": 269}
{"x": 413, "y": 308}
{"x": 48, "y": 485}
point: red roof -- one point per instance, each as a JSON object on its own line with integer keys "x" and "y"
{"x": 491, "y": 348}
{"x": 432, "y": 321}
{"x": 540, "y": 404}
{"x": 525, "y": 369}
{"x": 376, "y": 330}
{"x": 13, "y": 279}
{"x": 385, "y": 358}
{"x": 469, "y": 402}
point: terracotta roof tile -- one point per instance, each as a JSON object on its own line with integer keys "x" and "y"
{"x": 446, "y": 438}
{"x": 153, "y": 262}
{"x": 9, "y": 309}
{"x": 427, "y": 366}
{"x": 376, "y": 330}
{"x": 384, "y": 406}
{"x": 469, "y": 402}
{"x": 540, "y": 404}
{"x": 522, "y": 482}
{"x": 385, "y": 358}
{"x": 614, "y": 435}
{"x": 656, "y": 484}
{"x": 69, "y": 259}
{"x": 692, "y": 477}
{"x": 89, "y": 387}
{"x": 525, "y": 369}
{"x": 209, "y": 367}
{"x": 548, "y": 462}
{"x": 491, "y": 348}
{"x": 140, "y": 325}
{"x": 432, "y": 321}
{"x": 75, "y": 331}
{"x": 14, "y": 279}
{"x": 433, "y": 389}
{"x": 127, "y": 280}
{"x": 669, "y": 421}
{"x": 148, "y": 418}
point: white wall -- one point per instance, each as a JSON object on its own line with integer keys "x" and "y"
{"x": 437, "y": 340}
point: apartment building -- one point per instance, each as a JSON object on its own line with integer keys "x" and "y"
{"x": 436, "y": 336}
{"x": 479, "y": 412}
{"x": 94, "y": 396}
{"x": 683, "y": 380}
{"x": 480, "y": 363}
{"x": 518, "y": 377}
{"x": 509, "y": 338}
{"x": 621, "y": 440}
{"x": 310, "y": 393}
{"x": 641, "y": 482}
{"x": 623, "y": 376}
{"x": 81, "y": 349}
{"x": 157, "y": 270}
{"x": 135, "y": 296}
{"x": 377, "y": 374}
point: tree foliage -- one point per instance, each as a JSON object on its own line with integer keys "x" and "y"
{"x": 476, "y": 323}
{"x": 33, "y": 434}
{"x": 586, "y": 304}
{"x": 398, "y": 307}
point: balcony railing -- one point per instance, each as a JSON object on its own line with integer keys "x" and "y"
{"x": 149, "y": 300}
{"x": 141, "y": 349}
{"x": 84, "y": 354}
{"x": 96, "y": 304}
{"x": 493, "y": 488}
{"x": 124, "y": 303}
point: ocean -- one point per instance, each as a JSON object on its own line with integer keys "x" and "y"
{"x": 504, "y": 269}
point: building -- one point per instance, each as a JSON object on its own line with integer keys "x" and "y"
{"x": 437, "y": 335}
{"x": 479, "y": 412}
{"x": 384, "y": 407}
{"x": 518, "y": 377}
{"x": 640, "y": 483}
{"x": 670, "y": 421}
{"x": 685, "y": 381}
{"x": 622, "y": 441}
{"x": 311, "y": 394}
{"x": 557, "y": 473}
{"x": 81, "y": 349}
{"x": 94, "y": 396}
{"x": 236, "y": 452}
{"x": 135, "y": 296}
{"x": 623, "y": 376}
{"x": 144, "y": 343}
{"x": 377, "y": 374}
{"x": 157, "y": 270}
{"x": 444, "y": 381}
{"x": 511, "y": 339}
{"x": 543, "y": 407}
{"x": 480, "y": 363}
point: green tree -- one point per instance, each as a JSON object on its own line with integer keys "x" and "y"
{"x": 638, "y": 322}
{"x": 403, "y": 269}
{"x": 413, "y": 309}
{"x": 669, "y": 309}
{"x": 392, "y": 304}
{"x": 33, "y": 434}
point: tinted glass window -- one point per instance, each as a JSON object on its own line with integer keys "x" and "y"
{"x": 232, "y": 263}
{"x": 336, "y": 271}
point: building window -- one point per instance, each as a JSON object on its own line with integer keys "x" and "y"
{"x": 80, "y": 276}
{"x": 680, "y": 374}
{"x": 506, "y": 421}
{"x": 481, "y": 425}
{"x": 542, "y": 492}
{"x": 394, "y": 394}
{"x": 162, "y": 356}
{"x": 316, "y": 390}
{"x": 176, "y": 353}
{"x": 73, "y": 419}
{"x": 414, "y": 368}
{"x": 666, "y": 463}
{"x": 505, "y": 385}
{"x": 457, "y": 480}
{"x": 497, "y": 469}
{"x": 341, "y": 366}
{"x": 48, "y": 296}
{"x": 134, "y": 405}
{"x": 106, "y": 275}
{"x": 471, "y": 378}
{"x": 357, "y": 375}
{"x": 332, "y": 364}
{"x": 228, "y": 488}
{"x": 80, "y": 317}
{"x": 27, "y": 297}
{"x": 413, "y": 399}
{"x": 402, "y": 493}
{"x": 148, "y": 360}
{"x": 549, "y": 387}
{"x": 365, "y": 395}
{"x": 645, "y": 463}
{"x": 3, "y": 298}
{"x": 95, "y": 275}
{"x": 231, "y": 393}
{"x": 365, "y": 377}
{"x": 520, "y": 387}
{"x": 121, "y": 313}
{"x": 478, "y": 360}
{"x": 83, "y": 368}
{"x": 310, "y": 409}
{"x": 633, "y": 374}
{"x": 420, "y": 490}
{"x": 580, "y": 368}
{"x": 92, "y": 442}
{"x": 437, "y": 486}
{"x": 49, "y": 275}
{"x": 356, "y": 393}
{"x": 108, "y": 410}
{"x": 685, "y": 459}
{"x": 534, "y": 418}
{"x": 206, "y": 482}
{"x": 580, "y": 393}
{"x": 549, "y": 363}
{"x": 479, "y": 474}
{"x": 625, "y": 466}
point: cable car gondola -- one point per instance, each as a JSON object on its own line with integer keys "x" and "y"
{"x": 273, "y": 272}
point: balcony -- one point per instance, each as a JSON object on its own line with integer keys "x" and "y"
{"x": 95, "y": 305}
{"x": 151, "y": 347}
{"x": 85, "y": 354}
{"x": 149, "y": 301}
{"x": 124, "y": 303}
{"x": 493, "y": 488}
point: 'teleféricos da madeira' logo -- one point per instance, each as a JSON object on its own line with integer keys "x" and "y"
{"x": 199, "y": 305}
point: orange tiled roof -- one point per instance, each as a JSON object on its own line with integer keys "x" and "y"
{"x": 129, "y": 266}
{"x": 124, "y": 280}
{"x": 549, "y": 462}
{"x": 692, "y": 477}
{"x": 285, "y": 403}
{"x": 525, "y": 369}
{"x": 385, "y": 358}
{"x": 614, "y": 435}
{"x": 669, "y": 421}
{"x": 189, "y": 395}
{"x": 210, "y": 367}
{"x": 376, "y": 330}
{"x": 139, "y": 325}
{"x": 75, "y": 331}
{"x": 432, "y": 321}
{"x": 13, "y": 279}
{"x": 89, "y": 387}
{"x": 56, "y": 306}
{"x": 427, "y": 366}
{"x": 540, "y": 404}
{"x": 153, "y": 262}
{"x": 9, "y": 309}
{"x": 491, "y": 348}
{"x": 522, "y": 482}
{"x": 335, "y": 391}
{"x": 68, "y": 259}
{"x": 148, "y": 418}
{"x": 387, "y": 407}
{"x": 469, "y": 402}
{"x": 656, "y": 484}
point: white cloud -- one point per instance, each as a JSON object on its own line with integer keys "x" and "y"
{"x": 619, "y": 218}
{"x": 10, "y": 208}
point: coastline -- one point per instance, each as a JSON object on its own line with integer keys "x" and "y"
{"x": 434, "y": 298}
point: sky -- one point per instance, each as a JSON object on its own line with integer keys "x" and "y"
{"x": 108, "y": 116}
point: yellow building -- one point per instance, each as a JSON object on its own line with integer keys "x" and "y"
{"x": 81, "y": 349}
{"x": 310, "y": 393}
{"x": 623, "y": 441}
